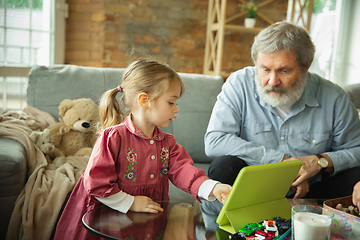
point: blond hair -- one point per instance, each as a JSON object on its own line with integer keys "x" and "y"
{"x": 143, "y": 75}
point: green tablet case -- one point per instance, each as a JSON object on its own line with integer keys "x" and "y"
{"x": 258, "y": 194}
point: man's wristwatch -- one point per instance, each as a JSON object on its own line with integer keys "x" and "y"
{"x": 323, "y": 162}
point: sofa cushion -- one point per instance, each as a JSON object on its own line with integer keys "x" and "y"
{"x": 353, "y": 91}
{"x": 49, "y": 85}
{"x": 195, "y": 109}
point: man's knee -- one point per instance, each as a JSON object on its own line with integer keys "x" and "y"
{"x": 349, "y": 178}
{"x": 339, "y": 185}
{"x": 225, "y": 169}
{"x": 210, "y": 212}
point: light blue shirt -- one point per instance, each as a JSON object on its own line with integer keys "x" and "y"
{"x": 323, "y": 120}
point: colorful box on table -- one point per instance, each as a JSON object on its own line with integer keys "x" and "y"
{"x": 345, "y": 225}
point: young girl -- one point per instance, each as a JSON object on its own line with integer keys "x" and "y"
{"x": 133, "y": 159}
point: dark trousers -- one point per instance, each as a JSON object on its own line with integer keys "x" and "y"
{"x": 225, "y": 169}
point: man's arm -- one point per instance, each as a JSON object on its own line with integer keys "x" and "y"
{"x": 345, "y": 145}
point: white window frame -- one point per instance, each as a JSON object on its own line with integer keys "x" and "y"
{"x": 345, "y": 35}
{"x": 343, "y": 68}
{"x": 57, "y": 56}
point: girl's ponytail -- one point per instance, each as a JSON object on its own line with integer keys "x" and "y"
{"x": 109, "y": 109}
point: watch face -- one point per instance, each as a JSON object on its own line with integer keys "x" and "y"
{"x": 323, "y": 162}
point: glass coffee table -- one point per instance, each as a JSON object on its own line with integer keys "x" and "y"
{"x": 179, "y": 221}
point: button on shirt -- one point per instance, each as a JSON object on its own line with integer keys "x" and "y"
{"x": 323, "y": 120}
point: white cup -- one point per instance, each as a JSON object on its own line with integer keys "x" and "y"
{"x": 310, "y": 223}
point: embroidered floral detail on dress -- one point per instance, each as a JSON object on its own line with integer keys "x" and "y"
{"x": 157, "y": 137}
{"x": 164, "y": 171}
{"x": 130, "y": 176}
{"x": 131, "y": 158}
{"x": 140, "y": 133}
{"x": 164, "y": 156}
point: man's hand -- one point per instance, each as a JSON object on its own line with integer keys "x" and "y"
{"x": 302, "y": 189}
{"x": 145, "y": 204}
{"x": 221, "y": 192}
{"x": 356, "y": 195}
{"x": 309, "y": 168}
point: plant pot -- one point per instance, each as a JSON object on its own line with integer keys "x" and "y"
{"x": 250, "y": 22}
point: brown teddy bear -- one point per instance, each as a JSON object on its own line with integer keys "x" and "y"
{"x": 42, "y": 140}
{"x": 75, "y": 133}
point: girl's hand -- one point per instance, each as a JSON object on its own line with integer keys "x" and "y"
{"x": 221, "y": 191}
{"x": 145, "y": 204}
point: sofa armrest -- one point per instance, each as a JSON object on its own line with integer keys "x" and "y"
{"x": 353, "y": 90}
{"x": 12, "y": 178}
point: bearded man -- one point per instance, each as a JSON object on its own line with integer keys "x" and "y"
{"x": 278, "y": 111}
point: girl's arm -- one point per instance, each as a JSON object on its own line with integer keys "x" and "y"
{"x": 206, "y": 188}
{"x": 124, "y": 202}
{"x": 191, "y": 179}
{"x": 120, "y": 201}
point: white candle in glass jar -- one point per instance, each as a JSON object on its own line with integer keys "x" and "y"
{"x": 311, "y": 226}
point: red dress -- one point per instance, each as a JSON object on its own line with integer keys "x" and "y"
{"x": 123, "y": 158}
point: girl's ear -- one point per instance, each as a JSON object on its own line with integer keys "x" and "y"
{"x": 143, "y": 100}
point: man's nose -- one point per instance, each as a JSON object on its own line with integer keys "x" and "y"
{"x": 274, "y": 80}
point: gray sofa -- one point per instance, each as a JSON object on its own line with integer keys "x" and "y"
{"x": 48, "y": 86}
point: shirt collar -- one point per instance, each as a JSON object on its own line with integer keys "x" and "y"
{"x": 309, "y": 96}
{"x": 158, "y": 133}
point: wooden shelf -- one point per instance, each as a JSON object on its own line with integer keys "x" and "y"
{"x": 242, "y": 28}
{"x": 218, "y": 24}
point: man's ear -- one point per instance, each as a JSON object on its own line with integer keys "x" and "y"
{"x": 143, "y": 100}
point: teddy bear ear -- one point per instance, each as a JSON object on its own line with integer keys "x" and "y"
{"x": 64, "y": 106}
{"x": 34, "y": 135}
{"x": 46, "y": 131}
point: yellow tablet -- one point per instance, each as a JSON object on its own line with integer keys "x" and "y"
{"x": 258, "y": 193}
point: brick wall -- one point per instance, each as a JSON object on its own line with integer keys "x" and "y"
{"x": 85, "y": 31}
{"x": 101, "y": 32}
{"x": 237, "y": 44}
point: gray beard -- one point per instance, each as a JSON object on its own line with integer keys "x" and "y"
{"x": 288, "y": 96}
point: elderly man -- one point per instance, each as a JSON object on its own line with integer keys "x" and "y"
{"x": 278, "y": 111}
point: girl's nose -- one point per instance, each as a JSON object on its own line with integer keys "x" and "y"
{"x": 176, "y": 108}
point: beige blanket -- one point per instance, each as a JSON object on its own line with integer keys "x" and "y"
{"x": 39, "y": 203}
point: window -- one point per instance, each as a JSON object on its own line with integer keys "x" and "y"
{"x": 31, "y": 33}
{"x": 323, "y": 31}
{"x": 333, "y": 28}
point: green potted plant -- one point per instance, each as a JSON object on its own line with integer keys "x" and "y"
{"x": 251, "y": 10}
